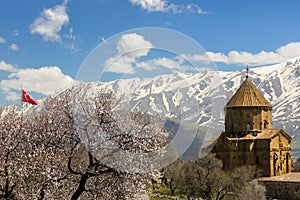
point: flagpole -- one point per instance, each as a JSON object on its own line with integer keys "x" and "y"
{"x": 21, "y": 105}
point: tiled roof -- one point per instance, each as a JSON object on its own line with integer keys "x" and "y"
{"x": 264, "y": 134}
{"x": 248, "y": 96}
{"x": 269, "y": 133}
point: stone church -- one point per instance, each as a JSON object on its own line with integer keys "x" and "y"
{"x": 249, "y": 138}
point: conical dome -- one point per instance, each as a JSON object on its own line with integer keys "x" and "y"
{"x": 248, "y": 96}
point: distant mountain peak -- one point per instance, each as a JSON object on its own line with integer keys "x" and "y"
{"x": 172, "y": 94}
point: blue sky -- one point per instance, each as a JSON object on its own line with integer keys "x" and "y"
{"x": 44, "y": 43}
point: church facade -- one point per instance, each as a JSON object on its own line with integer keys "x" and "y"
{"x": 249, "y": 137}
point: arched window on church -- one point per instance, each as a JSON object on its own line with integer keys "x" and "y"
{"x": 248, "y": 126}
{"x": 274, "y": 164}
{"x": 265, "y": 124}
{"x": 287, "y": 163}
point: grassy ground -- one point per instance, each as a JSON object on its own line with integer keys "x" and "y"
{"x": 163, "y": 193}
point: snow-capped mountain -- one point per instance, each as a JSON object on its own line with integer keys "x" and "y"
{"x": 178, "y": 95}
{"x": 200, "y": 98}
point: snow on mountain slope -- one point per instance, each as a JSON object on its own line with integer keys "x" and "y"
{"x": 200, "y": 98}
{"x": 279, "y": 83}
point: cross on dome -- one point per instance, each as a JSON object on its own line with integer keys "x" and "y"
{"x": 247, "y": 71}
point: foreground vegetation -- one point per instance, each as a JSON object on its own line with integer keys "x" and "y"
{"x": 59, "y": 151}
{"x": 205, "y": 179}
{"x": 56, "y": 153}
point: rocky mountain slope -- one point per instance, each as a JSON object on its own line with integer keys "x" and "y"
{"x": 179, "y": 94}
{"x": 200, "y": 98}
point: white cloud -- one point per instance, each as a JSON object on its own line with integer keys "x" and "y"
{"x": 16, "y": 32}
{"x": 165, "y": 6}
{"x": 195, "y": 9}
{"x": 147, "y": 65}
{"x": 14, "y": 47}
{"x": 168, "y": 63}
{"x": 12, "y": 96}
{"x": 7, "y": 67}
{"x": 122, "y": 64}
{"x": 50, "y": 22}
{"x": 2, "y": 40}
{"x": 133, "y": 45}
{"x": 281, "y": 54}
{"x": 151, "y": 5}
{"x": 171, "y": 63}
{"x": 72, "y": 39}
{"x": 46, "y": 80}
{"x": 129, "y": 48}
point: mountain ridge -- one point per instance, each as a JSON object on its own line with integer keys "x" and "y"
{"x": 200, "y": 98}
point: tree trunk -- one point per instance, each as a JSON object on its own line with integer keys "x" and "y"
{"x": 172, "y": 190}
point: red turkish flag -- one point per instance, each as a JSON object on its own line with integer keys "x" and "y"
{"x": 27, "y": 98}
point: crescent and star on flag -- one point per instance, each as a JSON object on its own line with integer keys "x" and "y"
{"x": 27, "y": 98}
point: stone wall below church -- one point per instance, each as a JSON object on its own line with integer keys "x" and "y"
{"x": 286, "y": 186}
